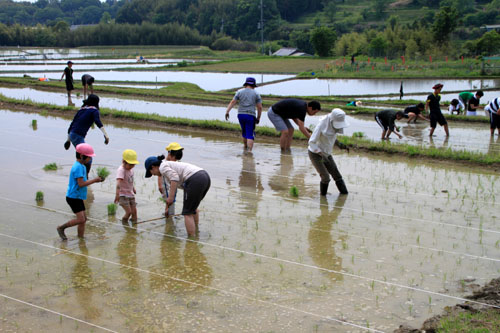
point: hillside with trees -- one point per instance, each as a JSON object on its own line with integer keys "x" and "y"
{"x": 390, "y": 28}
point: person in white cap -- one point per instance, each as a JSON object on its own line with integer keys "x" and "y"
{"x": 321, "y": 143}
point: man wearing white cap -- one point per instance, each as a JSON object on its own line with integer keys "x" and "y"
{"x": 321, "y": 143}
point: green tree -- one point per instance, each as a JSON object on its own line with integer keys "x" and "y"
{"x": 378, "y": 46}
{"x": 379, "y": 7}
{"x": 444, "y": 24}
{"x": 105, "y": 18}
{"x": 489, "y": 43}
{"x": 323, "y": 41}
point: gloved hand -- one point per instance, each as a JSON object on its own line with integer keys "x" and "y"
{"x": 106, "y": 140}
{"x": 67, "y": 144}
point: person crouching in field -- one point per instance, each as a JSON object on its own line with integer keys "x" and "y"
{"x": 175, "y": 153}
{"x": 413, "y": 112}
{"x": 321, "y": 143}
{"x": 386, "y": 119}
{"x": 125, "y": 189}
{"x": 493, "y": 109}
{"x": 77, "y": 190}
{"x": 194, "y": 180}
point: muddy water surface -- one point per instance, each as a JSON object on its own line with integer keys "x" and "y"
{"x": 409, "y": 239}
{"x": 464, "y": 136}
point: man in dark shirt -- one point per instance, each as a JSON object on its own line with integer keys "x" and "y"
{"x": 87, "y": 82}
{"x": 435, "y": 114}
{"x": 414, "y": 111}
{"x": 83, "y": 120}
{"x": 68, "y": 73}
{"x": 386, "y": 119}
{"x": 473, "y": 105}
{"x": 295, "y": 109}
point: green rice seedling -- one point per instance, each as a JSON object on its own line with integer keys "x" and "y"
{"x": 112, "y": 209}
{"x": 103, "y": 172}
{"x": 358, "y": 134}
{"x": 294, "y": 191}
{"x": 34, "y": 123}
{"x": 50, "y": 167}
{"x": 39, "y": 196}
{"x": 77, "y": 94}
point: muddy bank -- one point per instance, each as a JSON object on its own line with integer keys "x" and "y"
{"x": 489, "y": 294}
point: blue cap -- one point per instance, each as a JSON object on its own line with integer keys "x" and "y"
{"x": 149, "y": 163}
{"x": 250, "y": 81}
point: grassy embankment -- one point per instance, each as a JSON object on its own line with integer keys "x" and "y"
{"x": 356, "y": 143}
{"x": 191, "y": 93}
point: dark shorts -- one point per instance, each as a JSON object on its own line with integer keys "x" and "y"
{"x": 382, "y": 124}
{"x": 494, "y": 120}
{"x": 247, "y": 123}
{"x": 76, "y": 205}
{"x": 69, "y": 85}
{"x": 88, "y": 81}
{"x": 195, "y": 189}
{"x": 437, "y": 118}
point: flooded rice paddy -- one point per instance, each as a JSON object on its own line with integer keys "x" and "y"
{"x": 206, "y": 81}
{"x": 464, "y": 136}
{"x": 409, "y": 239}
{"x": 361, "y": 87}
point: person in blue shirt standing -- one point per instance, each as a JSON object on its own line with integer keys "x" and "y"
{"x": 77, "y": 190}
{"x": 83, "y": 120}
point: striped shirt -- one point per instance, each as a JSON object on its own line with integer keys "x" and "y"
{"x": 494, "y": 105}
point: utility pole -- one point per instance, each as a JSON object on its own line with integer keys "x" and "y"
{"x": 261, "y": 26}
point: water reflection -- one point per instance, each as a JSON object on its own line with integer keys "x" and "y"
{"x": 127, "y": 252}
{"x": 280, "y": 181}
{"x": 250, "y": 184}
{"x": 322, "y": 243}
{"x": 493, "y": 145}
{"x": 83, "y": 282}
{"x": 188, "y": 264}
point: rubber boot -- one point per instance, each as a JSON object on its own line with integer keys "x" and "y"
{"x": 323, "y": 188}
{"x": 341, "y": 186}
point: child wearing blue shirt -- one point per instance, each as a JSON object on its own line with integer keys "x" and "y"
{"x": 77, "y": 190}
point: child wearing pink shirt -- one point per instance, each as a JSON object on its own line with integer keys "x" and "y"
{"x": 125, "y": 189}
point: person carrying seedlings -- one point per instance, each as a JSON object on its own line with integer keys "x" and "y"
{"x": 77, "y": 190}
{"x": 194, "y": 180}
{"x": 465, "y": 97}
{"x": 125, "y": 189}
{"x": 321, "y": 143}
{"x": 386, "y": 119}
{"x": 82, "y": 121}
{"x": 474, "y": 104}
{"x": 249, "y": 100}
{"x": 174, "y": 150}
{"x": 493, "y": 109}
{"x": 435, "y": 114}
{"x": 68, "y": 73}
{"x": 454, "y": 106}
{"x": 291, "y": 108}
{"x": 413, "y": 112}
{"x": 87, "y": 82}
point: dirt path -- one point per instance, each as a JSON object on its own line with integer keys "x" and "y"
{"x": 489, "y": 294}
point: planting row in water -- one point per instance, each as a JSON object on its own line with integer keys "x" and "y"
{"x": 353, "y": 142}
{"x": 182, "y": 91}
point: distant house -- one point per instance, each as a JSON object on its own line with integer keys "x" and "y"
{"x": 76, "y": 26}
{"x": 491, "y": 27}
{"x": 290, "y": 52}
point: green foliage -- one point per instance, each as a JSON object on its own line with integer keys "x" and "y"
{"x": 481, "y": 321}
{"x": 39, "y": 196}
{"x": 103, "y": 172}
{"x": 323, "y": 40}
{"x": 294, "y": 191}
{"x": 50, "y": 167}
{"x": 112, "y": 209}
{"x": 445, "y": 22}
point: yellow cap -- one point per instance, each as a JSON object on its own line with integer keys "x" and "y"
{"x": 173, "y": 146}
{"x": 130, "y": 156}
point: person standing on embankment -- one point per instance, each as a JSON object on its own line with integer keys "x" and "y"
{"x": 68, "y": 73}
